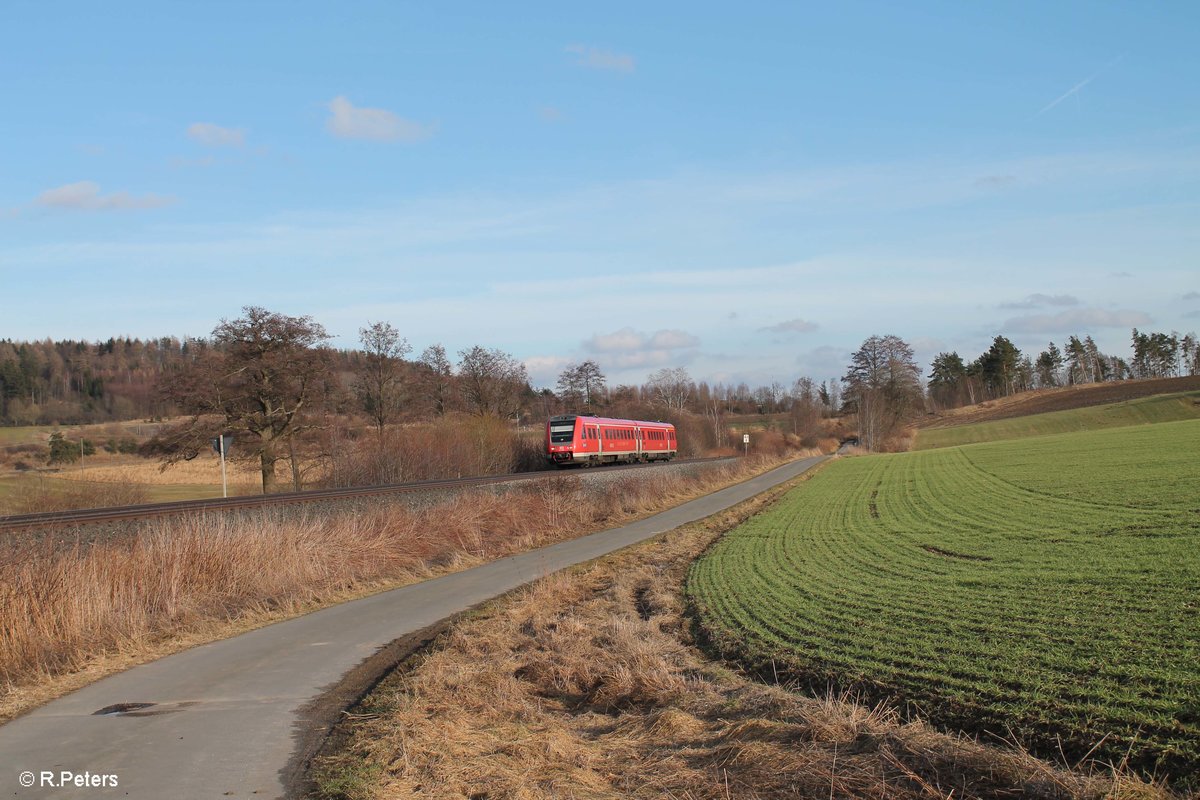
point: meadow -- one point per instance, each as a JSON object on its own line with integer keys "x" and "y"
{"x": 1043, "y": 591}
{"x": 1141, "y": 411}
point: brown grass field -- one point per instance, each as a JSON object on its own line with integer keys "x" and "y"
{"x": 589, "y": 685}
{"x": 1063, "y": 398}
{"x": 73, "y": 612}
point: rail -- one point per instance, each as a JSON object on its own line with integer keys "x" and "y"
{"x": 88, "y": 516}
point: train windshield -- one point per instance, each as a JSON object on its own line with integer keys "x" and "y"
{"x": 561, "y": 432}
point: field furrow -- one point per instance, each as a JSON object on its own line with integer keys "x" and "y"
{"x": 1046, "y": 588}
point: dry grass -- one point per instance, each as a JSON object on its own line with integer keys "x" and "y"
{"x": 32, "y": 497}
{"x": 201, "y": 470}
{"x": 78, "y": 612}
{"x": 587, "y": 685}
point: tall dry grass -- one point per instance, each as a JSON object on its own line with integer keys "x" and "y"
{"x": 63, "y": 610}
{"x": 451, "y": 447}
{"x": 589, "y": 686}
{"x": 32, "y": 497}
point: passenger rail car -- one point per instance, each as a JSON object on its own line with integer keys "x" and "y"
{"x": 577, "y": 439}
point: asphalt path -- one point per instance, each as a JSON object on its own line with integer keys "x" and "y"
{"x": 227, "y": 719}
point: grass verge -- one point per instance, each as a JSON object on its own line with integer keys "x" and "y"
{"x": 588, "y": 685}
{"x": 73, "y": 609}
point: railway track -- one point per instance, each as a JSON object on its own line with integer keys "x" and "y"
{"x": 88, "y": 516}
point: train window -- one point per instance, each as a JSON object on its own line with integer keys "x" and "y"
{"x": 562, "y": 431}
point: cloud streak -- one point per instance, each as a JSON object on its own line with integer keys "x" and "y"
{"x": 86, "y": 196}
{"x": 792, "y": 326}
{"x": 210, "y": 135}
{"x": 1040, "y": 300}
{"x": 1075, "y": 89}
{"x": 596, "y": 58}
{"x": 348, "y": 121}
{"x": 1075, "y": 321}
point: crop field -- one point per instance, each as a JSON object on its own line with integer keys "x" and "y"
{"x": 1046, "y": 590}
{"x": 1143, "y": 411}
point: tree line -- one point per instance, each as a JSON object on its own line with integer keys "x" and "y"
{"x": 1003, "y": 369}
{"x": 273, "y": 379}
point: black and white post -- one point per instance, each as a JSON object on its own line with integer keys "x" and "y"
{"x": 219, "y": 444}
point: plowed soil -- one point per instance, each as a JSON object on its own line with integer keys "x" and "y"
{"x": 1061, "y": 399}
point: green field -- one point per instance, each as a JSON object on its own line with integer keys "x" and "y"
{"x": 1143, "y": 411}
{"x": 1048, "y": 588}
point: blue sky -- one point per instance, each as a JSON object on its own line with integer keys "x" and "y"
{"x": 746, "y": 191}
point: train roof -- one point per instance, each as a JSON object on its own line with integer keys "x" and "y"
{"x": 610, "y": 420}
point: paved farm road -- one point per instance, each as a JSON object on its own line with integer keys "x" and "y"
{"x": 229, "y": 716}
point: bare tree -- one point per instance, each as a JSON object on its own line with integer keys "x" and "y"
{"x": 491, "y": 381}
{"x": 257, "y": 380}
{"x": 438, "y": 378}
{"x": 672, "y": 388}
{"x": 581, "y": 384}
{"x": 884, "y": 383}
{"x": 379, "y": 380}
{"x": 806, "y": 410}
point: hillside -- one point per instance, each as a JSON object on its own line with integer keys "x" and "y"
{"x": 1042, "y": 401}
{"x": 1142, "y": 411}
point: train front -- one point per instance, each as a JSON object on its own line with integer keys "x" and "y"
{"x": 560, "y": 439}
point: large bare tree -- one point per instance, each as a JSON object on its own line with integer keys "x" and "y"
{"x": 671, "y": 388}
{"x": 884, "y": 383}
{"x": 261, "y": 374}
{"x": 437, "y": 378}
{"x": 581, "y": 384}
{"x": 379, "y": 379}
{"x": 492, "y": 381}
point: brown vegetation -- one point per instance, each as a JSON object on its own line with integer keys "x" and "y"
{"x": 1040, "y": 401}
{"x": 587, "y": 685}
{"x": 92, "y": 607}
{"x": 34, "y": 497}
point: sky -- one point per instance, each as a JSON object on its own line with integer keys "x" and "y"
{"x": 744, "y": 190}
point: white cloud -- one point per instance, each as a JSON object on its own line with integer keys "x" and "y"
{"x": 1076, "y": 321}
{"x": 352, "y": 122}
{"x": 210, "y": 135}
{"x": 628, "y": 348}
{"x": 792, "y": 326}
{"x": 673, "y": 339}
{"x": 85, "y": 196}
{"x": 544, "y": 370}
{"x": 595, "y": 58}
{"x": 1040, "y": 300}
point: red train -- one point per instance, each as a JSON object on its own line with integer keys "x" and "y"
{"x": 580, "y": 439}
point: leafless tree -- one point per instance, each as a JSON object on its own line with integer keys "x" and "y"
{"x": 884, "y": 383}
{"x": 438, "y": 378}
{"x": 581, "y": 384}
{"x": 671, "y": 388}
{"x": 492, "y": 381}
{"x": 806, "y": 409}
{"x": 258, "y": 379}
{"x": 379, "y": 379}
